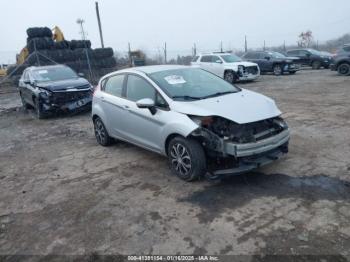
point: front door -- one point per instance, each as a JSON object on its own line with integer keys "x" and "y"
{"x": 144, "y": 128}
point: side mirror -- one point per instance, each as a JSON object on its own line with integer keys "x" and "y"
{"x": 308, "y": 54}
{"x": 147, "y": 103}
{"x": 27, "y": 82}
{"x": 267, "y": 57}
{"x": 81, "y": 74}
{"x": 218, "y": 61}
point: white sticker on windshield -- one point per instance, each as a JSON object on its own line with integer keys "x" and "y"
{"x": 42, "y": 72}
{"x": 174, "y": 80}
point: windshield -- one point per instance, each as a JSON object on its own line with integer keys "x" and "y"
{"x": 191, "y": 84}
{"x": 276, "y": 55}
{"x": 53, "y": 74}
{"x": 231, "y": 58}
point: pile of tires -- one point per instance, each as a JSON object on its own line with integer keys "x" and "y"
{"x": 77, "y": 54}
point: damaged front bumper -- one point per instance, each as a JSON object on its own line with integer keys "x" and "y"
{"x": 67, "y": 102}
{"x": 245, "y": 156}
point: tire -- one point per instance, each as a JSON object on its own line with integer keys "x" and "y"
{"x": 344, "y": 69}
{"x": 38, "y": 110}
{"x": 39, "y": 43}
{"x": 230, "y": 77}
{"x": 292, "y": 72}
{"x": 326, "y": 67}
{"x": 193, "y": 160}
{"x": 277, "y": 70}
{"x": 99, "y": 53}
{"x": 101, "y": 133}
{"x": 316, "y": 65}
{"x": 39, "y": 32}
{"x": 74, "y": 44}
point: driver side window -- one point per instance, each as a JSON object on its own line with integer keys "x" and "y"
{"x": 138, "y": 88}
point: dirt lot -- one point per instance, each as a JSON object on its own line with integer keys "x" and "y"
{"x": 61, "y": 193}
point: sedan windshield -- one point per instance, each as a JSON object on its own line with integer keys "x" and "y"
{"x": 53, "y": 74}
{"x": 231, "y": 58}
{"x": 191, "y": 84}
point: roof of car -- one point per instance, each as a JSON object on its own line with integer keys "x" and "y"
{"x": 154, "y": 68}
{"x": 214, "y": 53}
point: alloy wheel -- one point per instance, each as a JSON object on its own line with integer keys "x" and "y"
{"x": 181, "y": 159}
{"x": 100, "y": 132}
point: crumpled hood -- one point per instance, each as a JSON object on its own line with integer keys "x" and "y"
{"x": 243, "y": 63}
{"x": 242, "y": 107}
{"x": 65, "y": 84}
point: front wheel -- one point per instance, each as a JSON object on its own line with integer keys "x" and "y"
{"x": 292, "y": 72}
{"x": 101, "y": 133}
{"x": 277, "y": 70}
{"x": 187, "y": 158}
{"x": 344, "y": 69}
{"x": 230, "y": 77}
{"x": 39, "y": 110}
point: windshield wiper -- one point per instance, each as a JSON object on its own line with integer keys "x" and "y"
{"x": 219, "y": 94}
{"x": 187, "y": 97}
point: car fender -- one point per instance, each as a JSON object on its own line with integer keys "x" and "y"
{"x": 181, "y": 125}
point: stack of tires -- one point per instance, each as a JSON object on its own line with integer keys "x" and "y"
{"x": 77, "y": 54}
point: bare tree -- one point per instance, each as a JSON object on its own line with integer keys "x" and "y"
{"x": 305, "y": 39}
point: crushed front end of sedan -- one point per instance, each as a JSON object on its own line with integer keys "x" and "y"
{"x": 238, "y": 148}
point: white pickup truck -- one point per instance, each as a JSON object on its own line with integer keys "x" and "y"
{"x": 227, "y": 66}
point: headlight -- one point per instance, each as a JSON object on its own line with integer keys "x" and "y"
{"x": 45, "y": 93}
{"x": 202, "y": 120}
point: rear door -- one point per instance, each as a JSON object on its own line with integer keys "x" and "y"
{"x": 112, "y": 104}
{"x": 141, "y": 126}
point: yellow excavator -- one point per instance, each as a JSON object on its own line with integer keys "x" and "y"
{"x": 57, "y": 36}
{"x": 3, "y": 70}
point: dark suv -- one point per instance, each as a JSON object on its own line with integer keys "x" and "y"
{"x": 273, "y": 62}
{"x": 311, "y": 57}
{"x": 50, "y": 89}
{"x": 341, "y": 61}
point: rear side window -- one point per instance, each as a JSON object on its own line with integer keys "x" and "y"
{"x": 346, "y": 48}
{"x": 114, "y": 85}
{"x": 138, "y": 88}
{"x": 292, "y": 53}
{"x": 206, "y": 59}
{"x": 249, "y": 55}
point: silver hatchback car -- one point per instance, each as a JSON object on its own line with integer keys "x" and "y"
{"x": 203, "y": 124}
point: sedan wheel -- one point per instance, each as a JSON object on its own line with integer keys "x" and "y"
{"x": 277, "y": 70}
{"x": 316, "y": 65}
{"x": 187, "y": 158}
{"x": 101, "y": 133}
{"x": 344, "y": 69}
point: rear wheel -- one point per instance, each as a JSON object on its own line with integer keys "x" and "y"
{"x": 292, "y": 72}
{"x": 277, "y": 70}
{"x": 230, "y": 77}
{"x": 187, "y": 158}
{"x": 344, "y": 69}
{"x": 316, "y": 65}
{"x": 101, "y": 133}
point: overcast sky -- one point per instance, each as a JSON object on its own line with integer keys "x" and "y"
{"x": 147, "y": 24}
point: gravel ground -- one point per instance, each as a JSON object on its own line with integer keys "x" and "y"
{"x": 61, "y": 193}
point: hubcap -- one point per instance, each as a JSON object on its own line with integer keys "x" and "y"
{"x": 229, "y": 77}
{"x": 343, "y": 70}
{"x": 277, "y": 70}
{"x": 100, "y": 131}
{"x": 180, "y": 159}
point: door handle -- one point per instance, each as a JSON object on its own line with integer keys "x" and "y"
{"x": 126, "y": 107}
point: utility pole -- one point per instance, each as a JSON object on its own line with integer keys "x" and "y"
{"x": 221, "y": 50}
{"x": 194, "y": 49}
{"x": 264, "y": 45}
{"x": 165, "y": 54}
{"x": 284, "y": 45}
{"x": 99, "y": 24}
{"x": 245, "y": 44}
{"x": 129, "y": 54}
{"x": 81, "y": 22}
